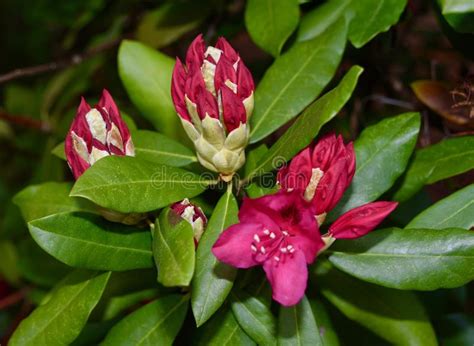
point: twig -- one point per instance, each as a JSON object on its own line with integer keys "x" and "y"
{"x": 59, "y": 64}
{"x": 12, "y": 299}
{"x": 25, "y": 122}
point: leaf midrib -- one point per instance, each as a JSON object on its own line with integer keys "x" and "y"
{"x": 166, "y": 153}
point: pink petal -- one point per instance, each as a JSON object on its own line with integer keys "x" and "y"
{"x": 178, "y": 82}
{"x": 253, "y": 210}
{"x": 361, "y": 220}
{"x": 288, "y": 278}
{"x": 224, "y": 72}
{"x": 323, "y": 152}
{"x": 233, "y": 109}
{"x": 331, "y": 187}
{"x": 299, "y": 172}
{"x": 106, "y": 101}
{"x": 229, "y": 52}
{"x": 195, "y": 54}
{"x": 233, "y": 245}
{"x": 245, "y": 84}
{"x": 206, "y": 103}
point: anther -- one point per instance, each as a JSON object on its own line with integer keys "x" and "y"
{"x": 272, "y": 235}
{"x": 256, "y": 238}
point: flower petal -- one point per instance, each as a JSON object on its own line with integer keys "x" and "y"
{"x": 361, "y": 220}
{"x": 178, "y": 83}
{"x": 288, "y": 278}
{"x": 234, "y": 245}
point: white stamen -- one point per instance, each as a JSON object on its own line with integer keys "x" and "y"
{"x": 253, "y": 248}
{"x": 283, "y": 250}
{"x": 292, "y": 250}
{"x": 262, "y": 250}
{"x": 266, "y": 232}
{"x": 289, "y": 247}
{"x": 285, "y": 233}
{"x": 272, "y": 235}
{"x": 256, "y": 238}
{"x": 277, "y": 258}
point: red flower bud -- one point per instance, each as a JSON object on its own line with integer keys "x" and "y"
{"x": 95, "y": 133}
{"x": 361, "y": 220}
{"x": 192, "y": 214}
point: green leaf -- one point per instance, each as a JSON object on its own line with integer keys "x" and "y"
{"x": 437, "y": 162}
{"x": 132, "y": 185}
{"x": 382, "y": 153}
{"x": 456, "y": 210}
{"x": 255, "y": 318}
{"x": 213, "y": 280}
{"x": 409, "y": 259}
{"x": 155, "y": 147}
{"x": 146, "y": 75}
{"x": 307, "y": 126}
{"x": 271, "y": 22}
{"x": 88, "y": 241}
{"x": 396, "y": 316}
{"x": 60, "y": 320}
{"x": 297, "y": 326}
{"x": 372, "y": 18}
{"x": 326, "y": 330}
{"x": 59, "y": 152}
{"x": 157, "y": 323}
{"x": 9, "y": 270}
{"x": 295, "y": 79}
{"x": 37, "y": 201}
{"x": 318, "y": 20}
{"x": 223, "y": 330}
{"x": 173, "y": 249}
{"x": 39, "y": 267}
{"x": 119, "y": 305}
{"x": 457, "y": 6}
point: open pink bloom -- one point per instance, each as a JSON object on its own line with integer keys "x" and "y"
{"x": 95, "y": 133}
{"x": 193, "y": 215}
{"x": 213, "y": 96}
{"x": 278, "y": 232}
{"x": 322, "y": 173}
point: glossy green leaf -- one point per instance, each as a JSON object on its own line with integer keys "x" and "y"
{"x": 146, "y": 75}
{"x": 223, "y": 330}
{"x": 88, "y": 241}
{"x": 457, "y": 6}
{"x": 437, "y": 162}
{"x": 396, "y": 316}
{"x": 58, "y": 151}
{"x": 456, "y": 210}
{"x": 307, "y": 126}
{"x": 173, "y": 249}
{"x": 38, "y": 266}
{"x": 382, "y": 153}
{"x": 409, "y": 259}
{"x": 295, "y": 79}
{"x": 157, "y": 323}
{"x": 213, "y": 280}
{"x": 297, "y": 326}
{"x": 371, "y": 18}
{"x": 271, "y": 22}
{"x": 129, "y": 184}
{"x": 60, "y": 320}
{"x": 255, "y": 318}
{"x": 326, "y": 330}
{"x": 155, "y": 147}
{"x": 319, "y": 19}
{"x": 121, "y": 304}
{"x": 46, "y": 199}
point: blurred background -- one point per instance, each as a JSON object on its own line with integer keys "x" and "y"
{"x": 53, "y": 52}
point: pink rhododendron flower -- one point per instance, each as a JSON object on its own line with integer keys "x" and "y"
{"x": 95, "y": 133}
{"x": 278, "y": 232}
{"x": 213, "y": 96}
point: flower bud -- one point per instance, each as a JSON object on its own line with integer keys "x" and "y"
{"x": 193, "y": 215}
{"x": 95, "y": 133}
{"x": 213, "y": 96}
{"x": 322, "y": 173}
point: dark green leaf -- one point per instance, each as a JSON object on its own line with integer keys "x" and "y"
{"x": 271, "y": 22}
{"x": 382, "y": 153}
{"x": 409, "y": 259}
{"x": 60, "y": 320}
{"x": 119, "y": 305}
{"x": 307, "y": 126}
{"x": 46, "y": 199}
{"x": 318, "y": 20}
{"x": 173, "y": 249}
{"x": 371, "y": 18}
{"x": 457, "y": 6}
{"x": 58, "y": 151}
{"x": 155, "y": 147}
{"x": 213, "y": 280}
{"x": 396, "y": 316}
{"x": 223, "y": 330}
{"x": 88, "y": 241}
{"x": 9, "y": 270}
{"x": 297, "y": 326}
{"x": 295, "y": 79}
{"x": 128, "y": 184}
{"x": 456, "y": 210}
{"x": 326, "y": 330}
{"x": 255, "y": 317}
{"x": 146, "y": 75}
{"x": 437, "y": 162}
{"x": 456, "y": 330}
{"x": 157, "y": 323}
